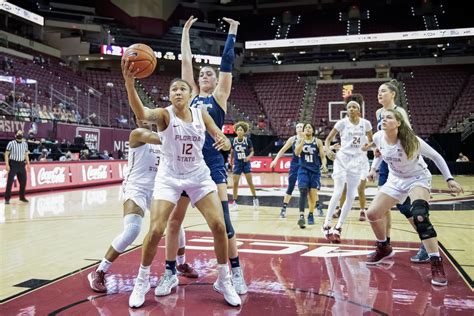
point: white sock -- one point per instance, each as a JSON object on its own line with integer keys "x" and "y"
{"x": 223, "y": 271}
{"x": 434, "y": 254}
{"x": 382, "y": 240}
{"x": 104, "y": 265}
{"x": 180, "y": 259}
{"x": 144, "y": 272}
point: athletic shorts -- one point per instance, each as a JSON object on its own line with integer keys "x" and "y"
{"x": 197, "y": 185}
{"x": 140, "y": 196}
{"x": 383, "y": 173}
{"x": 398, "y": 188}
{"x": 309, "y": 179}
{"x": 217, "y": 167}
{"x": 347, "y": 166}
{"x": 240, "y": 168}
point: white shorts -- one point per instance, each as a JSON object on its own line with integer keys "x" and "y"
{"x": 365, "y": 168}
{"x": 197, "y": 185}
{"x": 398, "y": 188}
{"x": 140, "y": 196}
{"x": 347, "y": 166}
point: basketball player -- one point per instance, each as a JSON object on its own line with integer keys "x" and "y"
{"x": 408, "y": 176}
{"x": 387, "y": 94}
{"x": 241, "y": 152}
{"x": 182, "y": 169}
{"x": 210, "y": 95}
{"x": 312, "y": 158}
{"x": 348, "y": 162}
{"x": 293, "y": 172}
{"x": 137, "y": 190}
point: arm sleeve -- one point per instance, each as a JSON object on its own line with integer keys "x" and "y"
{"x": 228, "y": 55}
{"x": 9, "y": 146}
{"x": 427, "y": 151}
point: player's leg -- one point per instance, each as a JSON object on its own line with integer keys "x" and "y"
{"x": 132, "y": 221}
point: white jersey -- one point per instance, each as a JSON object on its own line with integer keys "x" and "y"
{"x": 143, "y": 164}
{"x": 353, "y": 136}
{"x": 398, "y": 163}
{"x": 182, "y": 143}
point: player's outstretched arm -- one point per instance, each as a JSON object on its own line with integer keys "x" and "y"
{"x": 282, "y": 151}
{"x": 142, "y": 113}
{"x": 187, "y": 56}
{"x": 142, "y": 136}
{"x": 224, "y": 86}
{"x": 221, "y": 141}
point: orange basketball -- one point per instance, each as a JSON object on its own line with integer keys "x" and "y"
{"x": 143, "y": 58}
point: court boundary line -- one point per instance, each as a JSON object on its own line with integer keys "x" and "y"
{"x": 465, "y": 276}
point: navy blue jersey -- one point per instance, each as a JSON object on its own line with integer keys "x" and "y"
{"x": 217, "y": 113}
{"x": 241, "y": 149}
{"x": 309, "y": 158}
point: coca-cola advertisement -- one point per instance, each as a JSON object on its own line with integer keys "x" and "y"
{"x": 91, "y": 173}
{"x": 64, "y": 175}
{"x": 48, "y": 175}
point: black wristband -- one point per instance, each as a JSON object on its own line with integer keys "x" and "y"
{"x": 449, "y": 179}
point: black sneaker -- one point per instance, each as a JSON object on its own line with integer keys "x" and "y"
{"x": 283, "y": 213}
{"x": 7, "y": 202}
{"x": 301, "y": 222}
{"x": 24, "y": 200}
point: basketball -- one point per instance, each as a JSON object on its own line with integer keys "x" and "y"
{"x": 143, "y": 58}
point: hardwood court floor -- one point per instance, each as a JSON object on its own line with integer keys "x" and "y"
{"x": 61, "y": 232}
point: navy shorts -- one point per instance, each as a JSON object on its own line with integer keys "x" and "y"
{"x": 217, "y": 167}
{"x": 309, "y": 179}
{"x": 241, "y": 167}
{"x": 383, "y": 173}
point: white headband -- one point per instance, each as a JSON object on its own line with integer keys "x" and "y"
{"x": 354, "y": 102}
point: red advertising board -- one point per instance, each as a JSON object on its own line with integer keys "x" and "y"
{"x": 261, "y": 164}
{"x": 65, "y": 175}
{"x": 283, "y": 165}
{"x": 54, "y": 175}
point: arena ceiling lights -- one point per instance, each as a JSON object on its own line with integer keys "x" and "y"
{"x": 360, "y": 38}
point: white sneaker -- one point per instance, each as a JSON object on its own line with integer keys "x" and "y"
{"x": 238, "y": 281}
{"x": 225, "y": 288}
{"x": 256, "y": 204}
{"x": 137, "y": 298}
{"x": 167, "y": 282}
{"x": 234, "y": 207}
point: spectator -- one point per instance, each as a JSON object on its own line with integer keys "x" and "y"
{"x": 462, "y": 158}
{"x": 44, "y": 155}
{"x": 84, "y": 155}
{"x": 67, "y": 157}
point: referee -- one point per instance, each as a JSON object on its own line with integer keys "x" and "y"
{"x": 16, "y": 156}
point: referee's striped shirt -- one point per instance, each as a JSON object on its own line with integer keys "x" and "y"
{"x": 17, "y": 150}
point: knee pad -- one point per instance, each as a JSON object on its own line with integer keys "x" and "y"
{"x": 421, "y": 218}
{"x": 182, "y": 237}
{"x": 132, "y": 224}
{"x": 405, "y": 208}
{"x": 228, "y": 224}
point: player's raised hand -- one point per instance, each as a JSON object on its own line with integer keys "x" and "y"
{"x": 189, "y": 23}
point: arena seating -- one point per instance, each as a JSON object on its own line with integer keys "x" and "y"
{"x": 431, "y": 94}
